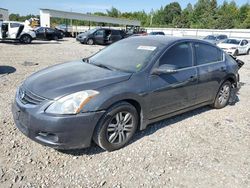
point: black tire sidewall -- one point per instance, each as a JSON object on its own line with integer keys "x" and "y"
{"x": 25, "y": 42}
{"x": 100, "y": 135}
{"x": 216, "y": 104}
{"x": 236, "y": 53}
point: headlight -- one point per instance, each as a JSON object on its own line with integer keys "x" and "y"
{"x": 71, "y": 104}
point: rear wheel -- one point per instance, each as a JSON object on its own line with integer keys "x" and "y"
{"x": 117, "y": 127}
{"x": 26, "y": 39}
{"x": 223, "y": 95}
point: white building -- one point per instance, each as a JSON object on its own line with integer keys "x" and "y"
{"x": 4, "y": 14}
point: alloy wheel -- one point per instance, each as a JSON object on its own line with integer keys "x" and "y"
{"x": 224, "y": 94}
{"x": 120, "y": 128}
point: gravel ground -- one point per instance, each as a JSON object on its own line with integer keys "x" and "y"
{"x": 202, "y": 148}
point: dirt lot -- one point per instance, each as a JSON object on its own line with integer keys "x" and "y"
{"x": 202, "y": 148}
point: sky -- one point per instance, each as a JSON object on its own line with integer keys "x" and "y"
{"x": 24, "y": 7}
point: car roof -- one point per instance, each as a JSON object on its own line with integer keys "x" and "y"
{"x": 166, "y": 40}
{"x": 13, "y": 22}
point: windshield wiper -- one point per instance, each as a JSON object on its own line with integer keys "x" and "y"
{"x": 103, "y": 66}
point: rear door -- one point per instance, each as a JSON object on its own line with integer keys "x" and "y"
{"x": 174, "y": 91}
{"x": 13, "y": 30}
{"x": 115, "y": 36}
{"x": 212, "y": 70}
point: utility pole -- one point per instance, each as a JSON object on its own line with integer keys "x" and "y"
{"x": 151, "y": 19}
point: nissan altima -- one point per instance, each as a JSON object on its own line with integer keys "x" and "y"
{"x": 109, "y": 96}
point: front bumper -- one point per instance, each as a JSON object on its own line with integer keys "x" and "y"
{"x": 82, "y": 40}
{"x": 56, "y": 131}
{"x": 230, "y": 51}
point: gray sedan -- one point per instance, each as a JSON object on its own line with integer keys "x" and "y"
{"x": 123, "y": 88}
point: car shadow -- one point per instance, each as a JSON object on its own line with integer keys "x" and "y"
{"x": 7, "y": 69}
{"x": 35, "y": 42}
{"x": 151, "y": 129}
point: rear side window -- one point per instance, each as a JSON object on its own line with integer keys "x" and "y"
{"x": 13, "y": 25}
{"x": 207, "y": 54}
{"x": 180, "y": 55}
{"x": 115, "y": 32}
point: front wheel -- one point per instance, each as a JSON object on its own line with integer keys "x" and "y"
{"x": 90, "y": 42}
{"x": 117, "y": 127}
{"x": 236, "y": 53}
{"x": 223, "y": 95}
{"x": 26, "y": 39}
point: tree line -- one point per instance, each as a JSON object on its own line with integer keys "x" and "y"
{"x": 205, "y": 14}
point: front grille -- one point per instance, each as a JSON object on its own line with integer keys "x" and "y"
{"x": 27, "y": 97}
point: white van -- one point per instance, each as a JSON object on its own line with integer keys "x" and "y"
{"x": 10, "y": 30}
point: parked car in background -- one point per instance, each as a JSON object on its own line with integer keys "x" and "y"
{"x": 10, "y": 30}
{"x": 157, "y": 33}
{"x": 46, "y": 33}
{"x": 215, "y": 39}
{"x": 235, "y": 46}
{"x": 125, "y": 87}
{"x": 101, "y": 36}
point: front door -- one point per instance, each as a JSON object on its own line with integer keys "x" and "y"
{"x": 172, "y": 92}
{"x": 1, "y": 35}
{"x": 40, "y": 33}
{"x": 99, "y": 36}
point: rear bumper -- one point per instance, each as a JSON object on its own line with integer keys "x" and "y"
{"x": 60, "y": 132}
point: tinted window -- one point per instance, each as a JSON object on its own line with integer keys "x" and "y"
{"x": 99, "y": 33}
{"x": 41, "y": 30}
{"x": 207, "y": 54}
{"x": 244, "y": 42}
{"x": 13, "y": 25}
{"x": 210, "y": 37}
{"x": 179, "y": 55}
{"x": 115, "y": 32}
{"x": 232, "y": 41}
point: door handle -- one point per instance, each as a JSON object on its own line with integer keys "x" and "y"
{"x": 192, "y": 79}
{"x": 223, "y": 69}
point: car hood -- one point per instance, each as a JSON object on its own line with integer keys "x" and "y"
{"x": 225, "y": 45}
{"x": 67, "y": 78}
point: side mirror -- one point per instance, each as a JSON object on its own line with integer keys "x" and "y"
{"x": 165, "y": 69}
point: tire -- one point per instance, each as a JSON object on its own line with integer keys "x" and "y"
{"x": 223, "y": 95}
{"x": 55, "y": 38}
{"x": 112, "y": 132}
{"x": 90, "y": 42}
{"x": 25, "y": 39}
{"x": 248, "y": 51}
{"x": 236, "y": 53}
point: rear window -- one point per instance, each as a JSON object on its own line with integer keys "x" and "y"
{"x": 207, "y": 54}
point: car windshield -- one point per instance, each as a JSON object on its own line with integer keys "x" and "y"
{"x": 91, "y": 31}
{"x": 210, "y": 37}
{"x": 129, "y": 55}
{"x": 231, "y": 41}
